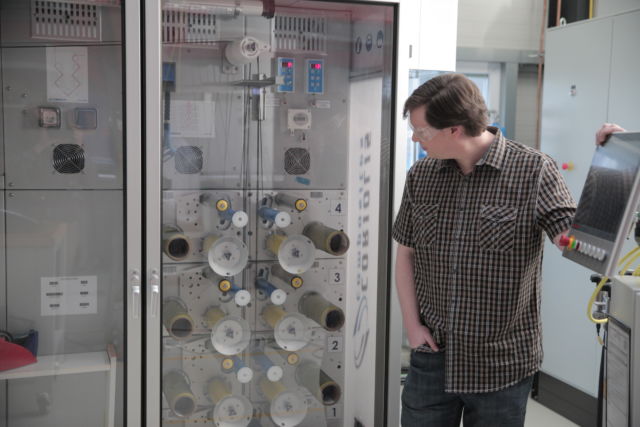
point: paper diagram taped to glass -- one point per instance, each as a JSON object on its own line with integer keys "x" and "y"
{"x": 67, "y": 74}
{"x": 192, "y": 118}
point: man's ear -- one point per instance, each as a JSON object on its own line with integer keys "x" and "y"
{"x": 456, "y": 131}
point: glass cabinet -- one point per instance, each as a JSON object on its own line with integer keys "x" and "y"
{"x": 269, "y": 129}
{"x": 66, "y": 312}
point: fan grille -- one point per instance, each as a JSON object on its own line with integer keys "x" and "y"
{"x": 188, "y": 160}
{"x": 68, "y": 158}
{"x": 65, "y": 20}
{"x": 297, "y": 161}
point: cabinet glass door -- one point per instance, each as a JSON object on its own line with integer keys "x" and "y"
{"x": 64, "y": 300}
{"x": 272, "y": 126}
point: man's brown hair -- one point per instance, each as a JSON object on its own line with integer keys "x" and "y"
{"x": 451, "y": 100}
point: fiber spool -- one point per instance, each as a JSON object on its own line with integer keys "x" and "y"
{"x": 281, "y": 219}
{"x": 230, "y": 410}
{"x": 176, "y": 319}
{"x": 243, "y": 51}
{"x": 274, "y": 372}
{"x": 277, "y": 296}
{"x": 289, "y": 329}
{"x": 316, "y": 307}
{"x": 244, "y": 374}
{"x": 291, "y": 279}
{"x": 175, "y": 244}
{"x": 293, "y": 202}
{"x": 296, "y": 254}
{"x": 332, "y": 241}
{"x": 237, "y": 218}
{"x": 229, "y": 334}
{"x": 177, "y": 391}
{"x": 314, "y": 379}
{"x": 288, "y": 408}
{"x": 227, "y": 256}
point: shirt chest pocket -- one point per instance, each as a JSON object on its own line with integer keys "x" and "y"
{"x": 425, "y": 222}
{"x": 496, "y": 229}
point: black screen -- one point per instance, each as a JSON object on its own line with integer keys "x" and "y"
{"x": 607, "y": 189}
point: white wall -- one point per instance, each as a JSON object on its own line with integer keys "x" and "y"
{"x": 610, "y": 7}
{"x": 502, "y": 24}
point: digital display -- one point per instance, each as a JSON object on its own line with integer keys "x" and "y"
{"x": 287, "y": 64}
{"x": 607, "y": 189}
{"x": 316, "y": 66}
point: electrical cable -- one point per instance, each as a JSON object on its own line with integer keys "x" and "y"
{"x": 633, "y": 255}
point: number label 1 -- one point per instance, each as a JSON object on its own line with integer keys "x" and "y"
{"x": 334, "y": 412}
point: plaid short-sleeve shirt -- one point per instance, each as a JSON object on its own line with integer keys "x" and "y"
{"x": 478, "y": 241}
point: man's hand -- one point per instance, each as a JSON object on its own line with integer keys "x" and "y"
{"x": 419, "y": 335}
{"x": 607, "y": 129}
{"x": 559, "y": 241}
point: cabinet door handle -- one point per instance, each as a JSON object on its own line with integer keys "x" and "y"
{"x": 135, "y": 294}
{"x": 155, "y": 292}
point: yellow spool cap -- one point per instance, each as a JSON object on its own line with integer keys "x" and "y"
{"x": 222, "y": 205}
{"x": 227, "y": 364}
{"x": 224, "y": 285}
{"x": 293, "y": 358}
{"x": 297, "y": 282}
{"x": 301, "y": 204}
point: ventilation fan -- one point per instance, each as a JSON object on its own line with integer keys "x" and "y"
{"x": 297, "y": 161}
{"x": 68, "y": 158}
{"x": 188, "y": 160}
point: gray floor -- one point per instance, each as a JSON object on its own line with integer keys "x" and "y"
{"x": 541, "y": 416}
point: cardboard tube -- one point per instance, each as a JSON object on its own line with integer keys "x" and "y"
{"x": 274, "y": 241}
{"x": 332, "y": 241}
{"x": 178, "y": 393}
{"x": 316, "y": 307}
{"x": 175, "y": 244}
{"x": 177, "y": 320}
{"x": 273, "y": 314}
{"x": 213, "y": 315}
{"x": 291, "y": 279}
{"x": 271, "y": 389}
{"x": 217, "y": 390}
{"x": 314, "y": 379}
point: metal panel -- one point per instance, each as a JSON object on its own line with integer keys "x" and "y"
{"x": 624, "y": 92}
{"x": 15, "y": 29}
{"x": 30, "y": 147}
{"x": 47, "y": 238}
{"x": 152, "y": 207}
{"x": 569, "y": 120}
{"x": 134, "y": 200}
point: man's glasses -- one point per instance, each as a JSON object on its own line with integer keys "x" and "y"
{"x": 425, "y": 133}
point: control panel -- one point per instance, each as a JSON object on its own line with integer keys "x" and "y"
{"x": 315, "y": 76}
{"x": 286, "y": 70}
{"x": 588, "y": 249}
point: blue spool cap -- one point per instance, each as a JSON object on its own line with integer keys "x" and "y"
{"x": 268, "y": 213}
{"x": 265, "y": 286}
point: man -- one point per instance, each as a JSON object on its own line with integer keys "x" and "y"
{"x": 470, "y": 233}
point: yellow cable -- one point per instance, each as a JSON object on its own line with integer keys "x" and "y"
{"x": 631, "y": 252}
{"x": 593, "y": 300}
{"x": 623, "y": 270}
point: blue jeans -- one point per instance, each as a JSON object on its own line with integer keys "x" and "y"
{"x": 425, "y": 404}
